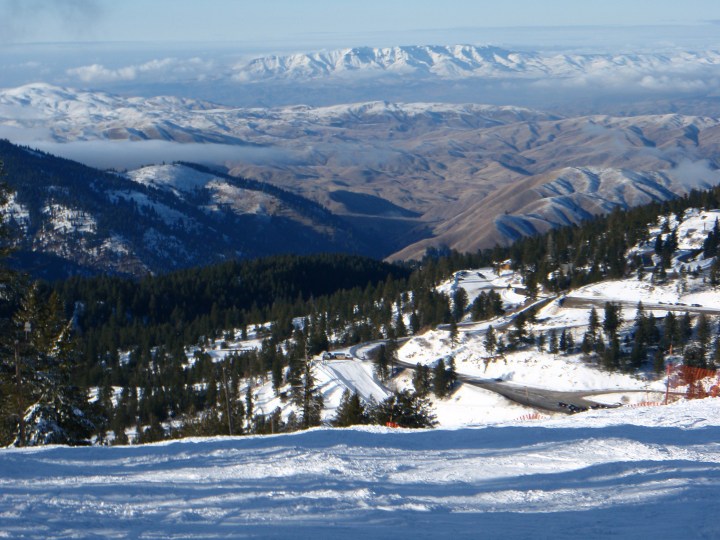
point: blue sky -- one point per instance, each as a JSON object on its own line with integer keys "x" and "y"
{"x": 286, "y": 20}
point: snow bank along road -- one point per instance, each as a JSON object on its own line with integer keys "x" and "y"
{"x": 642, "y": 473}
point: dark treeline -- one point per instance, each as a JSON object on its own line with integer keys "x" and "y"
{"x": 180, "y": 308}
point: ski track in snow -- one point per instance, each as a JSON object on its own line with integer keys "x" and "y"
{"x": 642, "y": 473}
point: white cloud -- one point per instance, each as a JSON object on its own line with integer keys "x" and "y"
{"x": 158, "y": 68}
{"x": 696, "y": 172}
{"x": 99, "y": 73}
{"x": 133, "y": 154}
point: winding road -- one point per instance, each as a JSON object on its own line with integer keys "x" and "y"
{"x": 566, "y": 402}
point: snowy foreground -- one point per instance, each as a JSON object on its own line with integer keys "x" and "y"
{"x": 628, "y": 473}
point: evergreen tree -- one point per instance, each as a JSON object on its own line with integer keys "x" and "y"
{"x": 490, "y": 343}
{"x": 553, "y": 342}
{"x": 659, "y": 361}
{"x": 249, "y": 404}
{"x": 684, "y": 329}
{"x": 421, "y": 380}
{"x": 562, "y": 345}
{"x": 460, "y": 303}
{"x": 669, "y": 338}
{"x": 611, "y": 357}
{"x": 382, "y": 358}
{"x": 400, "y": 328}
{"x": 441, "y": 379}
{"x": 453, "y": 334}
{"x": 451, "y": 373}
{"x": 519, "y": 334}
{"x": 715, "y": 272}
{"x": 593, "y": 322}
{"x": 613, "y": 319}
{"x": 694, "y": 356}
{"x": 277, "y": 374}
{"x": 405, "y": 409}
{"x": 715, "y": 364}
{"x": 308, "y": 398}
{"x": 414, "y": 323}
{"x": 702, "y": 330}
{"x": 54, "y": 409}
{"x": 351, "y": 411}
{"x": 710, "y": 245}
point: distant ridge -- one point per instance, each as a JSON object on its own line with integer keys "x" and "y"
{"x": 457, "y": 62}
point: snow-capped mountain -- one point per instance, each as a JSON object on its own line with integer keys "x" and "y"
{"x": 459, "y": 61}
{"x": 75, "y": 115}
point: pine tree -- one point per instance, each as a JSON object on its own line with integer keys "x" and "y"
{"x": 715, "y": 272}
{"x": 451, "y": 373}
{"x": 659, "y": 361}
{"x": 249, "y": 404}
{"x": 553, "y": 342}
{"x": 405, "y": 409}
{"x": 277, "y": 374}
{"x": 611, "y": 357}
{"x": 613, "y": 319}
{"x": 490, "y": 343}
{"x": 400, "y": 328}
{"x": 441, "y": 380}
{"x": 351, "y": 411}
{"x": 54, "y": 409}
{"x": 562, "y": 345}
{"x": 715, "y": 363}
{"x": 453, "y": 334}
{"x": 702, "y": 329}
{"x": 421, "y": 380}
{"x": 670, "y": 329}
{"x": 460, "y": 302}
{"x": 519, "y": 334}
{"x": 684, "y": 329}
{"x": 312, "y": 400}
{"x": 382, "y": 362}
{"x": 414, "y": 323}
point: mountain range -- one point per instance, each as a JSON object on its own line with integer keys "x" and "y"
{"x": 460, "y": 61}
{"x": 394, "y": 178}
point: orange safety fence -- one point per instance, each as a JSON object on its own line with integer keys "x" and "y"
{"x": 531, "y": 416}
{"x": 692, "y": 382}
{"x": 643, "y": 404}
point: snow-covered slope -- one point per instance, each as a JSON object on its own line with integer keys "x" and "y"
{"x": 642, "y": 473}
{"x": 76, "y": 115}
{"x": 461, "y": 61}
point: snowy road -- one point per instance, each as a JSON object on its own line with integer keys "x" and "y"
{"x": 643, "y": 473}
{"x": 572, "y": 301}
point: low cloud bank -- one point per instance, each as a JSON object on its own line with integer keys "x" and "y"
{"x": 157, "y": 69}
{"x": 127, "y": 155}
